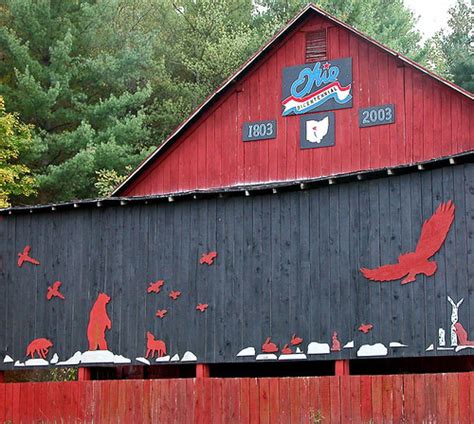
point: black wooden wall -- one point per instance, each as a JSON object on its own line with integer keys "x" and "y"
{"x": 287, "y": 263}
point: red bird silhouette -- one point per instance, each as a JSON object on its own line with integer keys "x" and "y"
{"x": 202, "y": 307}
{"x": 269, "y": 347}
{"x": 295, "y": 341}
{"x": 25, "y": 257}
{"x": 160, "y": 313}
{"x": 365, "y": 328}
{"x": 286, "y": 350}
{"x": 433, "y": 235}
{"x": 156, "y": 286}
{"x": 208, "y": 258}
{"x": 174, "y": 294}
{"x": 53, "y": 291}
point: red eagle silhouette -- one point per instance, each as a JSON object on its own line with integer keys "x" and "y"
{"x": 174, "y": 294}
{"x": 208, "y": 258}
{"x": 156, "y": 286}
{"x": 53, "y": 291}
{"x": 25, "y": 257}
{"x": 433, "y": 235}
{"x": 202, "y": 307}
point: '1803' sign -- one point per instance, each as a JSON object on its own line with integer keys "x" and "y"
{"x": 318, "y": 86}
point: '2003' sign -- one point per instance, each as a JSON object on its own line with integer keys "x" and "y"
{"x": 377, "y": 115}
{"x": 260, "y": 130}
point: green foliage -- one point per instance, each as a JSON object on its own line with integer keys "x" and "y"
{"x": 15, "y": 140}
{"x": 108, "y": 179}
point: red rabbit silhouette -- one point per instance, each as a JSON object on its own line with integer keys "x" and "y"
{"x": 154, "y": 346}
{"x": 269, "y": 347}
{"x": 99, "y": 321}
{"x": 286, "y": 350}
{"x": 39, "y": 346}
{"x": 295, "y": 341}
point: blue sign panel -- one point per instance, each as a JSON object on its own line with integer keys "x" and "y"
{"x": 377, "y": 115}
{"x": 317, "y": 86}
{"x": 260, "y": 130}
{"x": 317, "y": 130}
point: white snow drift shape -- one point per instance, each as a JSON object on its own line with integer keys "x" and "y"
{"x": 430, "y": 347}
{"x": 266, "y": 357}
{"x": 119, "y": 359}
{"x": 248, "y": 351}
{"x": 397, "y": 344}
{"x": 7, "y": 359}
{"x": 36, "y": 362}
{"x": 73, "y": 360}
{"x": 54, "y": 359}
{"x": 377, "y": 349}
{"x": 175, "y": 358}
{"x": 165, "y": 359}
{"x": 97, "y": 356}
{"x": 349, "y": 345}
{"x": 19, "y": 364}
{"x": 462, "y": 347}
{"x": 292, "y": 356}
{"x": 143, "y": 360}
{"x": 189, "y": 357}
{"x": 315, "y": 348}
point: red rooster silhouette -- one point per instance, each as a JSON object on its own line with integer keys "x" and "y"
{"x": 269, "y": 347}
{"x": 295, "y": 341}
{"x": 208, "y": 258}
{"x": 365, "y": 328}
{"x": 202, "y": 307}
{"x": 156, "y": 286}
{"x": 53, "y": 291}
{"x": 433, "y": 235}
{"x": 25, "y": 257}
{"x": 160, "y": 313}
{"x": 174, "y": 294}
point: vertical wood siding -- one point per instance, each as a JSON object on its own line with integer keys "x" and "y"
{"x": 432, "y": 120}
{"x": 419, "y": 398}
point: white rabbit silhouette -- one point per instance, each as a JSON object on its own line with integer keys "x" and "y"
{"x": 454, "y": 320}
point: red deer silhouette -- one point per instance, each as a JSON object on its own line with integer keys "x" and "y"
{"x": 160, "y": 313}
{"x": 269, "y": 347}
{"x": 156, "y": 286}
{"x": 154, "y": 346}
{"x": 99, "y": 321}
{"x": 286, "y": 350}
{"x": 433, "y": 234}
{"x": 53, "y": 291}
{"x": 202, "y": 307}
{"x": 208, "y": 258}
{"x": 39, "y": 346}
{"x": 25, "y": 257}
{"x": 295, "y": 341}
{"x": 365, "y": 328}
{"x": 174, "y": 294}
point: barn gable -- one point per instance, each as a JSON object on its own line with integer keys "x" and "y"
{"x": 208, "y": 151}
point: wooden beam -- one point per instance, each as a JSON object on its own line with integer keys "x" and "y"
{"x": 2, "y": 376}
{"x": 202, "y": 371}
{"x": 342, "y": 367}
{"x": 83, "y": 374}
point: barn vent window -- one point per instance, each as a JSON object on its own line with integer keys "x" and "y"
{"x": 316, "y": 48}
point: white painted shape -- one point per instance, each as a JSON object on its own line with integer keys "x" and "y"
{"x": 143, "y": 360}
{"x": 458, "y": 348}
{"x": 19, "y": 364}
{"x": 349, "y": 345}
{"x": 298, "y": 350}
{"x": 397, "y": 344}
{"x": 445, "y": 348}
{"x": 164, "y": 359}
{"x": 119, "y": 359}
{"x": 7, "y": 359}
{"x": 430, "y": 348}
{"x": 317, "y": 130}
{"x": 293, "y": 356}
{"x": 377, "y": 349}
{"x": 189, "y": 357}
{"x": 54, "y": 359}
{"x": 454, "y": 319}
{"x": 97, "y": 356}
{"x": 248, "y": 351}
{"x": 441, "y": 337}
{"x": 266, "y": 357}
{"x": 315, "y": 348}
{"x": 175, "y": 358}
{"x": 73, "y": 360}
{"x": 36, "y": 362}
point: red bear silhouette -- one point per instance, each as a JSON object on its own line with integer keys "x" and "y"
{"x": 99, "y": 321}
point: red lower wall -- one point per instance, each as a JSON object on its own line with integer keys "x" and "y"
{"x": 433, "y": 398}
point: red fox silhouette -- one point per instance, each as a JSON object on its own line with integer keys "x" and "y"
{"x": 99, "y": 321}
{"x": 269, "y": 347}
{"x": 156, "y": 286}
{"x": 39, "y": 346}
{"x": 154, "y": 346}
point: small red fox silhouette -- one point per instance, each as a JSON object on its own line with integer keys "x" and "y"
{"x": 25, "y": 257}
{"x": 295, "y": 341}
{"x": 269, "y": 347}
{"x": 208, "y": 258}
{"x": 39, "y": 346}
{"x": 156, "y": 286}
{"x": 154, "y": 346}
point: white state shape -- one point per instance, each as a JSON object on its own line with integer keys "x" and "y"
{"x": 248, "y": 351}
{"x": 293, "y": 356}
{"x": 298, "y": 350}
{"x": 36, "y": 362}
{"x": 377, "y": 349}
{"x": 188, "y": 357}
{"x": 458, "y": 348}
{"x": 19, "y": 364}
{"x": 266, "y": 357}
{"x": 7, "y": 359}
{"x": 54, "y": 359}
{"x": 164, "y": 359}
{"x": 97, "y": 356}
{"x": 119, "y": 359}
{"x": 349, "y": 345}
{"x": 397, "y": 344}
{"x": 315, "y": 348}
{"x": 430, "y": 347}
{"x": 73, "y": 360}
{"x": 175, "y": 358}
{"x": 143, "y": 360}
